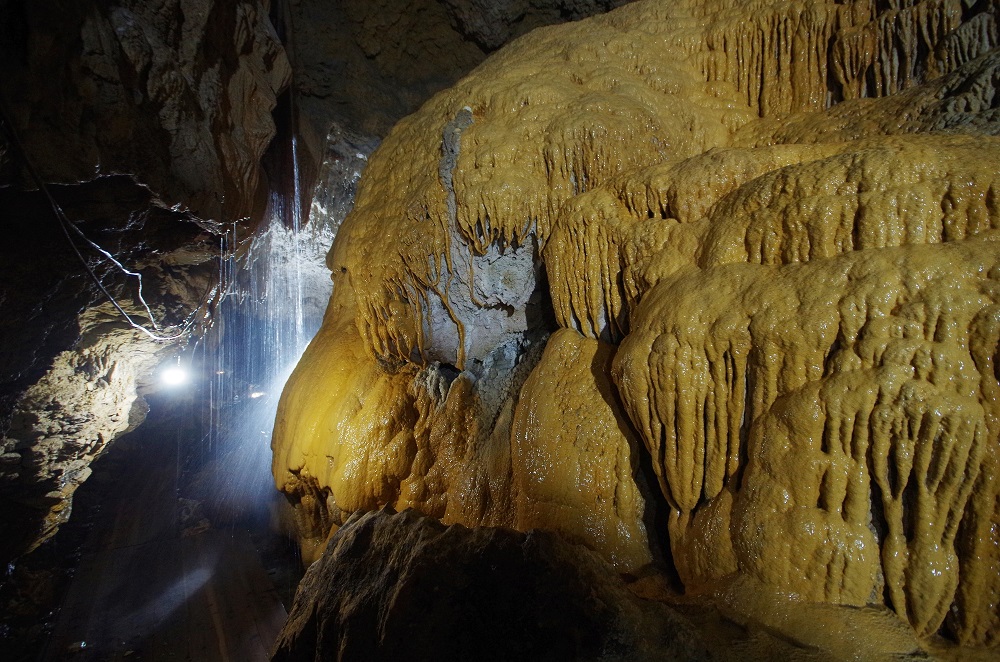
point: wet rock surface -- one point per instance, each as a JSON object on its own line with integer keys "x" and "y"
{"x": 781, "y": 218}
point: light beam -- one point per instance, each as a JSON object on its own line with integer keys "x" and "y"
{"x": 174, "y": 375}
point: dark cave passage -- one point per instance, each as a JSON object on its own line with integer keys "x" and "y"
{"x": 149, "y": 573}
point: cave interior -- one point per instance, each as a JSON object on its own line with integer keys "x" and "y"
{"x": 526, "y": 329}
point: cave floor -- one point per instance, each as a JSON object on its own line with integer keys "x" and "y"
{"x": 152, "y": 584}
{"x": 198, "y": 598}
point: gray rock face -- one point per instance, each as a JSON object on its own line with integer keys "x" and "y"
{"x": 481, "y": 301}
{"x": 368, "y": 63}
{"x": 176, "y": 93}
{"x": 395, "y": 586}
{"x": 344, "y": 159}
{"x": 492, "y": 24}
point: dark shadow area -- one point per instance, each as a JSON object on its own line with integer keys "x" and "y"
{"x": 142, "y": 571}
{"x": 45, "y": 288}
{"x": 656, "y": 509}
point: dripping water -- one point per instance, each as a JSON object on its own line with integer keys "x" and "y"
{"x": 276, "y": 288}
{"x": 274, "y": 302}
{"x": 296, "y": 227}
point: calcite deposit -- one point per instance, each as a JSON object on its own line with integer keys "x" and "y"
{"x": 764, "y": 231}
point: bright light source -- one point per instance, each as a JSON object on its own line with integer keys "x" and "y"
{"x": 174, "y": 376}
{"x": 257, "y": 394}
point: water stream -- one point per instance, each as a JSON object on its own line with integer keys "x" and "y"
{"x": 272, "y": 308}
{"x": 275, "y": 297}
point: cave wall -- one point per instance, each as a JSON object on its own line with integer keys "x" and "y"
{"x": 360, "y": 67}
{"x": 152, "y": 125}
{"x": 366, "y": 65}
{"x": 146, "y": 124}
{"x": 178, "y": 94}
{"x": 774, "y": 221}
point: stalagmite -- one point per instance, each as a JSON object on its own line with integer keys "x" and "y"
{"x": 368, "y": 410}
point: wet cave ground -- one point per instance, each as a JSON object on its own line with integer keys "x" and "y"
{"x": 153, "y": 564}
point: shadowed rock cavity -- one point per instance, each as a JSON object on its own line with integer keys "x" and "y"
{"x": 393, "y": 586}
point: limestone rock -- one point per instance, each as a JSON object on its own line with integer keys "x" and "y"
{"x": 345, "y": 158}
{"x": 178, "y": 94}
{"x": 574, "y": 453}
{"x": 432, "y": 438}
{"x": 394, "y": 586}
{"x": 785, "y": 214}
{"x": 462, "y": 317}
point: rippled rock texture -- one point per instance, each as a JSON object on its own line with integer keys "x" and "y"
{"x": 750, "y": 244}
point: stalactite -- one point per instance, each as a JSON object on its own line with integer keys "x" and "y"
{"x": 859, "y": 200}
{"x": 583, "y": 261}
{"x": 875, "y": 395}
{"x": 525, "y": 151}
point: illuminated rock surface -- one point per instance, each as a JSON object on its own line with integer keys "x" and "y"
{"x": 574, "y": 453}
{"x": 777, "y": 221}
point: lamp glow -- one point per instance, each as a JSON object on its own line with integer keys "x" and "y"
{"x": 174, "y": 376}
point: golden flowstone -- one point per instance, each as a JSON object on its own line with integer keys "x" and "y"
{"x": 768, "y": 235}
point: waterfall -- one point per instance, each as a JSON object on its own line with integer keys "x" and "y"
{"x": 273, "y": 306}
{"x": 276, "y": 288}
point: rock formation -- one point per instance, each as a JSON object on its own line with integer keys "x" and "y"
{"x": 393, "y": 586}
{"x": 151, "y": 124}
{"x": 146, "y": 123}
{"x": 749, "y": 242}
{"x": 196, "y": 81}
